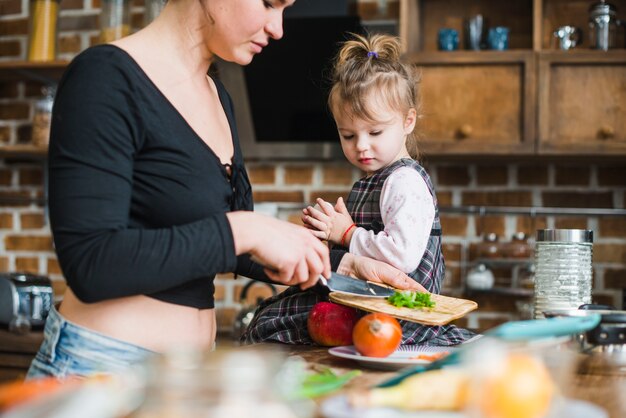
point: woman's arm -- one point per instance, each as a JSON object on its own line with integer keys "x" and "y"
{"x": 292, "y": 255}
{"x": 366, "y": 268}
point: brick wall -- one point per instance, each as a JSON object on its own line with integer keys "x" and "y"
{"x": 25, "y": 242}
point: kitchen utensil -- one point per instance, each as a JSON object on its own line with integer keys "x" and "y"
{"x": 448, "y": 39}
{"x": 498, "y": 38}
{"x": 245, "y": 315}
{"x": 563, "y": 276}
{"x": 25, "y": 300}
{"x": 568, "y": 37}
{"x": 446, "y": 308}
{"x": 510, "y": 331}
{"x": 474, "y": 28}
{"x": 42, "y": 30}
{"x": 339, "y": 407}
{"x": 605, "y": 345}
{"x": 609, "y": 335}
{"x": 480, "y": 277}
{"x": 344, "y": 284}
{"x": 603, "y": 25}
{"x": 347, "y": 285}
{"x": 406, "y": 355}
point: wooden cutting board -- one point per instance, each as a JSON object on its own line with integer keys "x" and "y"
{"x": 446, "y": 308}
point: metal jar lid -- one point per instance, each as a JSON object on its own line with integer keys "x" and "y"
{"x": 601, "y": 9}
{"x": 565, "y": 235}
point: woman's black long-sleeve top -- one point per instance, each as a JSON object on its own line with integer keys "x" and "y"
{"x": 137, "y": 199}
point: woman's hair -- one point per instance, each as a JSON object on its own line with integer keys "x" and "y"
{"x": 371, "y": 65}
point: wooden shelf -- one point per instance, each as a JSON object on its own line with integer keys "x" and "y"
{"x": 582, "y": 56}
{"x": 23, "y": 151}
{"x": 505, "y": 291}
{"x": 470, "y": 57}
{"x": 45, "y": 72}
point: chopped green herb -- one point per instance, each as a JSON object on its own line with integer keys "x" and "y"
{"x": 326, "y": 381}
{"x": 415, "y": 300}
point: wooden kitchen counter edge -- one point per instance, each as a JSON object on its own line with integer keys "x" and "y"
{"x": 600, "y": 389}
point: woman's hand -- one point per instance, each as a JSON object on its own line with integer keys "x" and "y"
{"x": 366, "y": 268}
{"x": 327, "y": 222}
{"x": 290, "y": 253}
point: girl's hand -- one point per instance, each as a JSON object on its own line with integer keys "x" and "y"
{"x": 366, "y": 268}
{"x": 292, "y": 255}
{"x": 328, "y": 222}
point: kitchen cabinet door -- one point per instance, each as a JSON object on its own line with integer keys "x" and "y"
{"x": 582, "y": 103}
{"x": 483, "y": 107}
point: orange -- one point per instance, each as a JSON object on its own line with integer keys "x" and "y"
{"x": 522, "y": 388}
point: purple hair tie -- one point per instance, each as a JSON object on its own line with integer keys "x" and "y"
{"x": 371, "y": 54}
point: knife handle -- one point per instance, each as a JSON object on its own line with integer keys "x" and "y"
{"x": 450, "y": 359}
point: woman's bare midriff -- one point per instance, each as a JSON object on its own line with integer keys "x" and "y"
{"x": 144, "y": 321}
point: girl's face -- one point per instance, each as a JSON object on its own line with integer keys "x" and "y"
{"x": 242, "y": 28}
{"x": 372, "y": 145}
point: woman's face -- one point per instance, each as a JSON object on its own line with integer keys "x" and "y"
{"x": 242, "y": 28}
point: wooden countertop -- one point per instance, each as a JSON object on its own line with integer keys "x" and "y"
{"x": 591, "y": 383}
{"x": 16, "y": 353}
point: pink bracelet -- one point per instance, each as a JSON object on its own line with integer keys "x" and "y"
{"x": 343, "y": 237}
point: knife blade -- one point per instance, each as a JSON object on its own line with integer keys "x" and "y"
{"x": 346, "y": 284}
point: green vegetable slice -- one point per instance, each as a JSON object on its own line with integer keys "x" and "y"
{"x": 413, "y": 300}
{"x": 325, "y": 382}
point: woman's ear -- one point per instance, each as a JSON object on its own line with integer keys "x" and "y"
{"x": 410, "y": 120}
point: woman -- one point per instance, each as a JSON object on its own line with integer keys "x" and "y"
{"x": 149, "y": 198}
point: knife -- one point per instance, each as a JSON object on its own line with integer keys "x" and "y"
{"x": 343, "y": 284}
{"x": 346, "y": 284}
{"x": 510, "y": 331}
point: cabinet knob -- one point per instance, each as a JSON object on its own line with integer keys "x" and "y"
{"x": 606, "y": 132}
{"x": 464, "y": 131}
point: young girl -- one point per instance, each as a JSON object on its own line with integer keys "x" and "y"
{"x": 391, "y": 213}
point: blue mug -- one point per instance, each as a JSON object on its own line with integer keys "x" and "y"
{"x": 448, "y": 39}
{"x": 498, "y": 38}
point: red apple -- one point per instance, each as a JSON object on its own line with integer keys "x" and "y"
{"x": 330, "y": 324}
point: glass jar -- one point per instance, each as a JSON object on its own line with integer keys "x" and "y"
{"x": 222, "y": 383}
{"x": 490, "y": 247}
{"x": 563, "y": 269}
{"x": 114, "y": 20}
{"x": 42, "y": 117}
{"x": 42, "y": 31}
{"x": 603, "y": 25}
{"x": 518, "y": 247}
{"x": 152, "y": 10}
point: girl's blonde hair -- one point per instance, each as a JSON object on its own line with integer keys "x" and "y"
{"x": 371, "y": 65}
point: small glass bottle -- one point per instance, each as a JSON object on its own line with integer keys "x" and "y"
{"x": 42, "y": 117}
{"x": 114, "y": 20}
{"x": 222, "y": 383}
{"x": 42, "y": 31}
{"x": 518, "y": 247}
{"x": 152, "y": 10}
{"x": 490, "y": 247}
{"x": 563, "y": 269}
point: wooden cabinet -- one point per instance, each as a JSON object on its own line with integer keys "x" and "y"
{"x": 16, "y": 353}
{"x": 475, "y": 105}
{"x": 582, "y": 103}
{"x": 529, "y": 99}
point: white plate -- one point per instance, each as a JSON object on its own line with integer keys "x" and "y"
{"x": 402, "y": 357}
{"x": 338, "y": 407}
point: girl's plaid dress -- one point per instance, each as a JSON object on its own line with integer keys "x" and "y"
{"x": 283, "y": 317}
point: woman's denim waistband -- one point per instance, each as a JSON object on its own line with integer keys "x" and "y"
{"x": 69, "y": 349}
